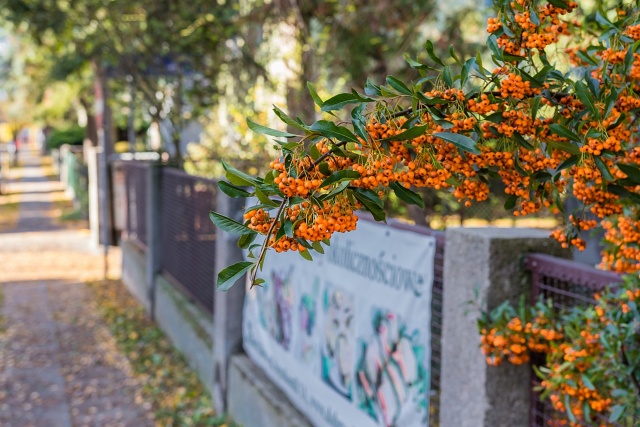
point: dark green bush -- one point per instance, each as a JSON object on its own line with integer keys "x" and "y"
{"x": 73, "y": 135}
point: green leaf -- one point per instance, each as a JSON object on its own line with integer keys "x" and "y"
{"x": 563, "y": 132}
{"x": 331, "y": 130}
{"x": 371, "y": 89}
{"x": 446, "y": 75}
{"x": 340, "y": 176}
{"x": 398, "y": 85}
{"x": 264, "y": 199}
{"x": 586, "y": 98}
{"x": 227, "y": 224}
{"x": 587, "y": 382}
{"x": 432, "y": 54}
{"x": 604, "y": 170}
{"x": 601, "y": 19}
{"x": 559, "y": 3}
{"x": 268, "y": 131}
{"x": 567, "y": 406}
{"x": 245, "y": 240}
{"x": 288, "y": 120}
{"x": 306, "y": 255}
{"x": 565, "y": 146}
{"x": 413, "y": 63}
{"x": 317, "y": 246}
{"x": 339, "y": 189}
{"x": 230, "y": 275}
{"x": 339, "y": 101}
{"x": 371, "y": 195}
{"x": 523, "y": 142}
{"x": 535, "y": 106}
{"x": 288, "y": 228}
{"x": 495, "y": 49}
{"x": 466, "y": 70}
{"x": 510, "y": 202}
{"x": 359, "y": 121}
{"x": 454, "y": 56}
{"x": 461, "y": 141}
{"x": 568, "y": 163}
{"x": 238, "y": 177}
{"x": 616, "y": 412}
{"x": 632, "y": 172}
{"x": 407, "y": 195}
{"x": 369, "y": 205}
{"x": 232, "y": 191}
{"x": 314, "y": 94}
{"x": 585, "y": 57}
{"x": 411, "y": 133}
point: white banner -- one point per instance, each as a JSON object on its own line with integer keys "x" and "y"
{"x": 347, "y": 336}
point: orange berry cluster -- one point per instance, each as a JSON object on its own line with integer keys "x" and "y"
{"x": 483, "y": 107}
{"x": 517, "y": 340}
{"x": 633, "y": 32}
{"x": 310, "y": 222}
{"x": 304, "y": 177}
{"x": 527, "y": 34}
{"x": 513, "y": 86}
{"x": 622, "y": 236}
{"x": 332, "y": 217}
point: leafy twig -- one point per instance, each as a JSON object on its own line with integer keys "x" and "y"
{"x": 265, "y": 244}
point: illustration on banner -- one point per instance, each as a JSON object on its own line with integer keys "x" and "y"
{"x": 391, "y": 380}
{"x": 275, "y": 301}
{"x": 339, "y": 340}
{"x": 308, "y": 324}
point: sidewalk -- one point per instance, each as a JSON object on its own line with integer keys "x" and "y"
{"x": 59, "y": 365}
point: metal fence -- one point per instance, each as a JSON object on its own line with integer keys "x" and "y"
{"x": 135, "y": 191}
{"x": 436, "y": 317}
{"x": 77, "y": 179}
{"x": 188, "y": 235}
{"x": 568, "y": 284}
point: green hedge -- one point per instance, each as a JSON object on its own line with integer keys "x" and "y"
{"x": 73, "y": 135}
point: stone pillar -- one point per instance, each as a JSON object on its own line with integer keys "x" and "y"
{"x": 94, "y": 206}
{"x": 483, "y": 265}
{"x": 154, "y": 229}
{"x": 227, "y": 306}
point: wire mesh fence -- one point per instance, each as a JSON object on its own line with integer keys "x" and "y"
{"x": 568, "y": 284}
{"x": 135, "y": 183}
{"x": 188, "y": 235}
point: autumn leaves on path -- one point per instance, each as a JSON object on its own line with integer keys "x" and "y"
{"x": 59, "y": 365}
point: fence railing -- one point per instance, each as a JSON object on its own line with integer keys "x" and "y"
{"x": 568, "y": 284}
{"x": 134, "y": 174}
{"x": 188, "y": 235}
{"x": 187, "y": 242}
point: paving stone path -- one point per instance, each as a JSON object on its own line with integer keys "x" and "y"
{"x": 59, "y": 366}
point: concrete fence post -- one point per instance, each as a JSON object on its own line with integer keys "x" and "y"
{"x": 483, "y": 265}
{"x": 227, "y": 306}
{"x": 94, "y": 203}
{"x": 154, "y": 229}
{"x": 64, "y": 166}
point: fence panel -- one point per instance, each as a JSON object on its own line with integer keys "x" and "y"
{"x": 188, "y": 236}
{"x": 568, "y": 284}
{"x": 436, "y": 316}
{"x": 135, "y": 177}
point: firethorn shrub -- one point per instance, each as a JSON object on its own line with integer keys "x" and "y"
{"x": 515, "y": 113}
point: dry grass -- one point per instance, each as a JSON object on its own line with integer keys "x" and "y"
{"x": 66, "y": 215}
{"x": 174, "y": 391}
{"x": 9, "y": 213}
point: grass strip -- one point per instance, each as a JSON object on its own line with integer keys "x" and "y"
{"x": 172, "y": 388}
